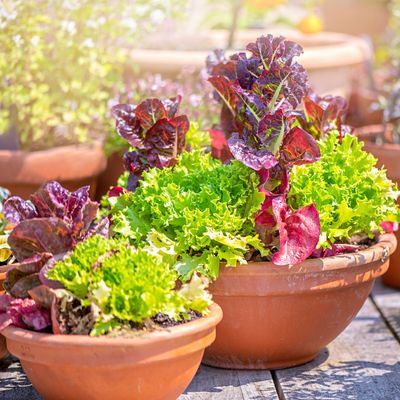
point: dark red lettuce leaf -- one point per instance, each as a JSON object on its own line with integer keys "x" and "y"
{"x": 40, "y": 235}
{"x": 218, "y": 64}
{"x": 298, "y": 232}
{"x": 150, "y": 111}
{"x": 299, "y": 147}
{"x": 155, "y": 132}
{"x": 219, "y": 146}
{"x": 324, "y": 114}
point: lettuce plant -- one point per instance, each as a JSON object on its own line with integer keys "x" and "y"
{"x": 351, "y": 195}
{"x": 46, "y": 227}
{"x": 125, "y": 285}
{"x": 154, "y": 131}
{"x": 260, "y": 95}
{"x": 5, "y": 251}
{"x": 199, "y": 209}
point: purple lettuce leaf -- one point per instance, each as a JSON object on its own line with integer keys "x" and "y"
{"x": 219, "y": 146}
{"x": 218, "y": 64}
{"x": 334, "y": 250}
{"x": 149, "y": 112}
{"x": 16, "y": 210}
{"x": 256, "y": 159}
{"x": 128, "y": 125}
{"x": 23, "y": 313}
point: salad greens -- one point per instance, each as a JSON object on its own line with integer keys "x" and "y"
{"x": 126, "y": 285}
{"x": 203, "y": 208}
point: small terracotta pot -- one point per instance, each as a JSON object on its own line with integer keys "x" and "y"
{"x": 156, "y": 366}
{"x": 109, "y": 177}
{"x": 73, "y": 166}
{"x": 388, "y": 156}
{"x": 281, "y": 316}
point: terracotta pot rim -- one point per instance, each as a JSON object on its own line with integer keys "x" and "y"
{"x": 150, "y": 338}
{"x": 379, "y": 252}
{"x": 92, "y": 146}
{"x": 335, "y": 49}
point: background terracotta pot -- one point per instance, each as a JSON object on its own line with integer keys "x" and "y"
{"x": 388, "y": 155}
{"x": 74, "y": 166}
{"x": 156, "y": 365}
{"x": 281, "y": 316}
{"x": 109, "y": 177}
{"x": 331, "y": 59}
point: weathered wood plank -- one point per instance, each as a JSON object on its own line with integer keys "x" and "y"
{"x": 388, "y": 302}
{"x": 219, "y": 384}
{"x": 363, "y": 363}
{"x": 14, "y": 385}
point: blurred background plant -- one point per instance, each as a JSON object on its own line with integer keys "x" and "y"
{"x": 62, "y": 61}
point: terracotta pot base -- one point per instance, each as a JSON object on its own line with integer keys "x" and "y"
{"x": 280, "y": 316}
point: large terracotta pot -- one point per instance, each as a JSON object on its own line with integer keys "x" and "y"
{"x": 331, "y": 59}
{"x": 281, "y": 316}
{"x": 109, "y": 177}
{"x": 73, "y": 166}
{"x": 388, "y": 155}
{"x": 157, "y": 365}
{"x": 362, "y": 108}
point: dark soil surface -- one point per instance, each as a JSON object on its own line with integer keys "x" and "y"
{"x": 166, "y": 322}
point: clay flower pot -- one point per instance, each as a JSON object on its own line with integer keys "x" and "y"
{"x": 156, "y": 365}
{"x": 73, "y": 166}
{"x": 388, "y": 156}
{"x": 281, "y": 316}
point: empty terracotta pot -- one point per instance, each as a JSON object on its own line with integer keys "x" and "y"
{"x": 281, "y": 316}
{"x": 157, "y": 365}
{"x": 73, "y": 166}
{"x": 388, "y": 156}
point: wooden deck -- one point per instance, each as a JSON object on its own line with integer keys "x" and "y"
{"x": 363, "y": 363}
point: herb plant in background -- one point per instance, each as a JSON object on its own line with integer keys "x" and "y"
{"x": 61, "y": 64}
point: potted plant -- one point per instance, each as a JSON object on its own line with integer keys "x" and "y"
{"x": 62, "y": 68}
{"x": 93, "y": 317}
{"x": 299, "y": 193}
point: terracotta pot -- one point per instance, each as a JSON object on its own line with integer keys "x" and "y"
{"x": 356, "y": 17}
{"x": 110, "y": 175}
{"x": 74, "y": 166}
{"x": 361, "y": 112}
{"x": 281, "y": 316}
{"x": 388, "y": 156}
{"x": 331, "y": 59}
{"x": 156, "y": 366}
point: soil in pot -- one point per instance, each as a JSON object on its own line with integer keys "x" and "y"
{"x": 157, "y": 365}
{"x": 73, "y": 166}
{"x": 388, "y": 155}
{"x": 278, "y": 317}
